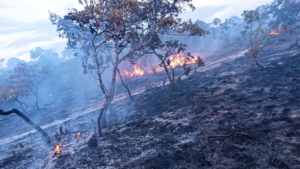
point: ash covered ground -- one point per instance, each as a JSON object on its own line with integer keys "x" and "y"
{"x": 230, "y": 114}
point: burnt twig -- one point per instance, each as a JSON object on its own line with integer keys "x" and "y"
{"x": 226, "y": 136}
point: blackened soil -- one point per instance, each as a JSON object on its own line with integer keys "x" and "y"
{"x": 235, "y": 116}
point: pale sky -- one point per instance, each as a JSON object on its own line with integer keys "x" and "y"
{"x": 25, "y": 24}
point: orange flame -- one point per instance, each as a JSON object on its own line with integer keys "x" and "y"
{"x": 276, "y": 32}
{"x": 156, "y": 69}
{"x": 159, "y": 69}
{"x": 180, "y": 60}
{"x": 91, "y": 133}
{"x": 175, "y": 61}
{"x": 78, "y": 134}
{"x": 137, "y": 72}
{"x": 58, "y": 149}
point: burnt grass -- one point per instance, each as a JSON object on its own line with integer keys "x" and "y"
{"x": 235, "y": 116}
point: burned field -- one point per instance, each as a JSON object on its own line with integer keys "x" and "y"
{"x": 231, "y": 116}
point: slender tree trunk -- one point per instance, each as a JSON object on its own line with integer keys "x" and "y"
{"x": 103, "y": 119}
{"x": 251, "y": 36}
{"x": 36, "y": 96}
{"x": 21, "y": 104}
{"x": 102, "y": 111}
{"x": 37, "y": 102}
{"x": 129, "y": 93}
{"x": 108, "y": 98}
{"x": 27, "y": 120}
{"x": 173, "y": 80}
{"x": 173, "y": 87}
{"x": 98, "y": 69}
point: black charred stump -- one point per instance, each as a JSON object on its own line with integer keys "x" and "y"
{"x": 92, "y": 143}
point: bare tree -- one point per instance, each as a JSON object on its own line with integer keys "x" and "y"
{"x": 33, "y": 75}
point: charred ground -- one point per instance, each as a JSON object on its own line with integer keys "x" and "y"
{"x": 232, "y": 116}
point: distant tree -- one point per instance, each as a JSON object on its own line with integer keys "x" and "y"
{"x": 250, "y": 17}
{"x": 33, "y": 75}
{"x": 284, "y": 13}
{"x": 228, "y": 24}
{"x": 12, "y": 92}
{"x": 121, "y": 25}
{"x": 216, "y": 22}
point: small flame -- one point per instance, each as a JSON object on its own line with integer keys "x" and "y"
{"x": 276, "y": 32}
{"x": 155, "y": 69}
{"x": 159, "y": 69}
{"x": 150, "y": 72}
{"x": 78, "y": 134}
{"x": 91, "y": 133}
{"x": 57, "y": 150}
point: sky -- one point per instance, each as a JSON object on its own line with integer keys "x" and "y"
{"x": 25, "y": 24}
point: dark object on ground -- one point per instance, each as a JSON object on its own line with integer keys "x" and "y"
{"x": 93, "y": 142}
{"x": 61, "y": 131}
{"x": 57, "y": 136}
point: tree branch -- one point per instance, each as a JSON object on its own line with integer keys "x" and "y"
{"x": 27, "y": 120}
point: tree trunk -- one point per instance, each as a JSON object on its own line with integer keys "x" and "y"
{"x": 98, "y": 69}
{"x": 27, "y": 120}
{"x": 102, "y": 111}
{"x": 103, "y": 119}
{"x": 21, "y": 104}
{"x": 251, "y": 36}
{"x": 173, "y": 87}
{"x": 108, "y": 98}
{"x": 37, "y": 102}
{"x": 129, "y": 93}
{"x": 36, "y": 96}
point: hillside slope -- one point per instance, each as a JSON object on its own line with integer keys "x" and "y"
{"x": 232, "y": 116}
